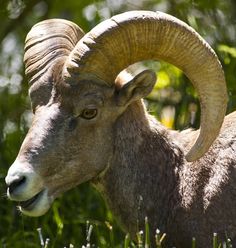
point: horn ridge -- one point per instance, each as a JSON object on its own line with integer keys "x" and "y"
{"x": 47, "y": 46}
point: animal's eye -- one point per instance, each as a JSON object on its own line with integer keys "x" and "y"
{"x": 89, "y": 113}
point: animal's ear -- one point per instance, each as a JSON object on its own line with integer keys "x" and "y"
{"x": 138, "y": 87}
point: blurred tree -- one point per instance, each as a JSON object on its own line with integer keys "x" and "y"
{"x": 173, "y": 101}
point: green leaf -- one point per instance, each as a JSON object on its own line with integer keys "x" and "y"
{"x": 227, "y": 49}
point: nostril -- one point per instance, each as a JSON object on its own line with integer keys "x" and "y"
{"x": 15, "y": 184}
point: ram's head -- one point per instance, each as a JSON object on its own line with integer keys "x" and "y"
{"x": 77, "y": 100}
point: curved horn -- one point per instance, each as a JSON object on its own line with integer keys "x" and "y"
{"x": 140, "y": 35}
{"x": 47, "y": 46}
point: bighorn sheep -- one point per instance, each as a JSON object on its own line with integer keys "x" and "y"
{"x": 89, "y": 126}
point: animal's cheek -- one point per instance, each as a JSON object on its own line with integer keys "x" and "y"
{"x": 69, "y": 177}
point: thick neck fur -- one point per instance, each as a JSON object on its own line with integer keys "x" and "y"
{"x": 148, "y": 176}
{"x": 142, "y": 179}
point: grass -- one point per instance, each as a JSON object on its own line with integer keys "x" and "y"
{"x": 143, "y": 239}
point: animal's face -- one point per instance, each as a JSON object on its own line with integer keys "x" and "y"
{"x": 70, "y": 141}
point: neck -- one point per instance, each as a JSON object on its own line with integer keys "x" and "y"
{"x": 142, "y": 176}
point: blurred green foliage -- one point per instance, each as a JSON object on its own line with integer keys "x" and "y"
{"x": 173, "y": 101}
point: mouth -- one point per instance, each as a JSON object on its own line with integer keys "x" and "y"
{"x": 36, "y": 206}
{"x": 30, "y": 204}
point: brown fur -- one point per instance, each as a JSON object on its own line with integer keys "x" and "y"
{"x": 182, "y": 200}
